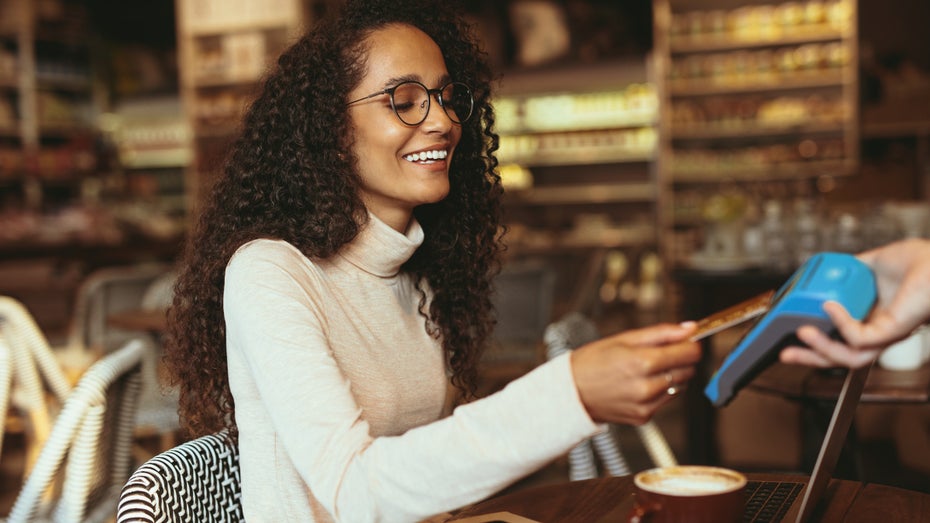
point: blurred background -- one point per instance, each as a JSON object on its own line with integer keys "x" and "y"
{"x": 661, "y": 159}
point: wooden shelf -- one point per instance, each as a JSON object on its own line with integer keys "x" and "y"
{"x": 777, "y": 83}
{"x": 731, "y": 76}
{"x": 63, "y": 83}
{"x": 243, "y": 26}
{"x": 224, "y": 82}
{"x": 63, "y": 129}
{"x": 895, "y": 129}
{"x": 753, "y": 130}
{"x": 605, "y": 239}
{"x": 587, "y": 137}
{"x": 733, "y": 42}
{"x": 579, "y": 155}
{"x": 576, "y": 77}
{"x": 54, "y": 80}
{"x": 754, "y": 172}
{"x": 583, "y": 194}
{"x": 178, "y": 157}
{"x": 632, "y": 123}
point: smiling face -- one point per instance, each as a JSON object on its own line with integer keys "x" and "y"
{"x": 401, "y": 166}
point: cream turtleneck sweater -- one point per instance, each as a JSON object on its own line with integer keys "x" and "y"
{"x": 341, "y": 395}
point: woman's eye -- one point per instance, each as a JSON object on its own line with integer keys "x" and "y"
{"x": 403, "y": 106}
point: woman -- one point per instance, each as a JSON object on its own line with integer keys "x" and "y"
{"x": 335, "y": 296}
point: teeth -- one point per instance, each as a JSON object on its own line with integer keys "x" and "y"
{"x": 422, "y": 156}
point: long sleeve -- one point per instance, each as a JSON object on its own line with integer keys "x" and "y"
{"x": 305, "y": 397}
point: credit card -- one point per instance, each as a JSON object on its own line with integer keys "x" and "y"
{"x": 734, "y": 315}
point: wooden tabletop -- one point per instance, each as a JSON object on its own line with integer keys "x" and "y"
{"x": 148, "y": 320}
{"x": 808, "y": 383}
{"x": 611, "y": 499}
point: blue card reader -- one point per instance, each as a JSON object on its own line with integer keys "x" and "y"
{"x": 799, "y": 301}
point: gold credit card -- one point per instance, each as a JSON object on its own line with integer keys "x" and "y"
{"x": 734, "y": 315}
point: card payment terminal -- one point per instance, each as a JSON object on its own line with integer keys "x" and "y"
{"x": 823, "y": 277}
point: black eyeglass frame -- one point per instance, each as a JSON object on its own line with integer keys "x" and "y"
{"x": 430, "y": 93}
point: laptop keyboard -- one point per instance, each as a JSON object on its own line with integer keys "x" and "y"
{"x": 768, "y": 501}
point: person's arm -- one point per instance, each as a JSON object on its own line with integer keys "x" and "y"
{"x": 278, "y": 330}
{"x": 481, "y": 448}
{"x": 902, "y": 273}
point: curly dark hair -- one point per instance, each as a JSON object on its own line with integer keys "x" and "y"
{"x": 289, "y": 175}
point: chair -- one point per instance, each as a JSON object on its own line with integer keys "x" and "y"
{"x": 116, "y": 289}
{"x": 109, "y": 290}
{"x": 568, "y": 333}
{"x": 6, "y": 386}
{"x": 195, "y": 481}
{"x": 87, "y": 452}
{"x": 26, "y": 362}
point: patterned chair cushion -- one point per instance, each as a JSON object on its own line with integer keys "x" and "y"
{"x": 195, "y": 481}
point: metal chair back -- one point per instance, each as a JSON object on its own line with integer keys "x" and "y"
{"x": 87, "y": 453}
{"x": 568, "y": 333}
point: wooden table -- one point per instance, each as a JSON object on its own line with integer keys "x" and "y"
{"x": 883, "y": 386}
{"x": 610, "y": 500}
{"x": 153, "y": 321}
{"x": 816, "y": 390}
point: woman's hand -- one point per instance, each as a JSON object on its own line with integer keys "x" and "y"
{"x": 626, "y": 377}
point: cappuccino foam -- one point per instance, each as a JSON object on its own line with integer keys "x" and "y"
{"x": 691, "y": 486}
{"x": 689, "y": 481}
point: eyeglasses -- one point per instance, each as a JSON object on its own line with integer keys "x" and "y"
{"x": 410, "y": 101}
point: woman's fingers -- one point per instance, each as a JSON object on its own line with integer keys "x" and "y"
{"x": 803, "y": 356}
{"x": 660, "y": 334}
{"x": 623, "y": 384}
{"x": 661, "y": 388}
{"x": 825, "y": 351}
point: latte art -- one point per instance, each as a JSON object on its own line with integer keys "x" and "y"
{"x": 691, "y": 486}
{"x": 689, "y": 481}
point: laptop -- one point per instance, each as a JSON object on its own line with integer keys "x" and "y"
{"x": 788, "y": 501}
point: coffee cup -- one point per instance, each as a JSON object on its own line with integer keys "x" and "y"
{"x": 688, "y": 494}
{"x": 907, "y": 354}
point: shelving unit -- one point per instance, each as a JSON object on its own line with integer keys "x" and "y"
{"x": 577, "y": 160}
{"x": 47, "y": 103}
{"x": 224, "y": 47}
{"x": 758, "y": 96}
{"x": 153, "y": 148}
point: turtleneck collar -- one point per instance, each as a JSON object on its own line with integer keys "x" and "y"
{"x": 381, "y": 250}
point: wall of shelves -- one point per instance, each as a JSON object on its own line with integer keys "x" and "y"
{"x": 577, "y": 153}
{"x": 223, "y": 52}
{"x": 758, "y": 97}
{"x": 47, "y": 103}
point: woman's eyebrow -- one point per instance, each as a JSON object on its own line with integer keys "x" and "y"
{"x": 443, "y": 80}
{"x": 401, "y": 79}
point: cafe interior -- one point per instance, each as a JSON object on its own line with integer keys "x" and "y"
{"x": 662, "y": 160}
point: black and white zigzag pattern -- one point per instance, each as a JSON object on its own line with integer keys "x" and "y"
{"x": 197, "y": 481}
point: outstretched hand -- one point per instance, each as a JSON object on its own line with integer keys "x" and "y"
{"x": 902, "y": 271}
{"x": 626, "y": 377}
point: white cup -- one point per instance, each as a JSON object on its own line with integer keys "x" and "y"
{"x": 907, "y": 354}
